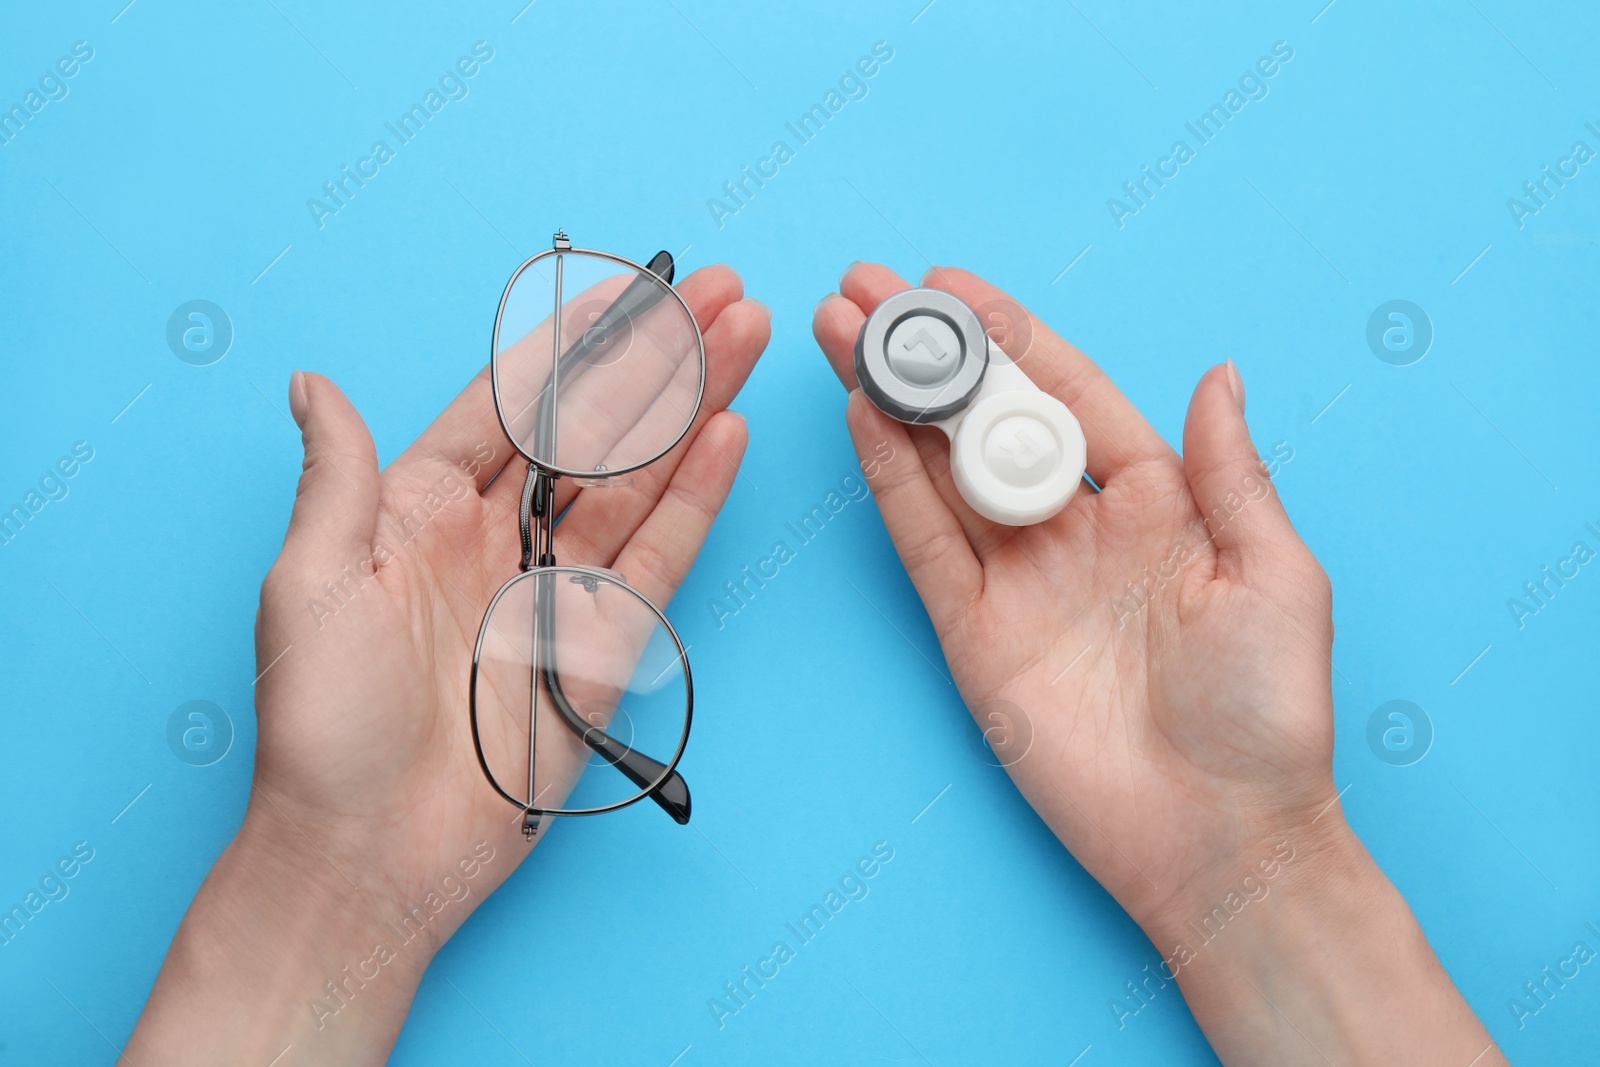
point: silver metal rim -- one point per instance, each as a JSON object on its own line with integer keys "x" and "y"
{"x": 472, "y": 691}
{"x": 494, "y": 364}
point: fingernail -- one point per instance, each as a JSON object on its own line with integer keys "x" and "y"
{"x": 930, "y": 272}
{"x": 1235, "y": 386}
{"x": 854, "y": 263}
{"x": 298, "y": 401}
{"x": 761, "y": 305}
{"x": 825, "y": 298}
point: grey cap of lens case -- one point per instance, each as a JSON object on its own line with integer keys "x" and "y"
{"x": 1016, "y": 453}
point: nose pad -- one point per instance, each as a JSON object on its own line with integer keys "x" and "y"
{"x": 921, "y": 355}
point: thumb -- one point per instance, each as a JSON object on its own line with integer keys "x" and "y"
{"x": 336, "y": 503}
{"x": 1231, "y": 488}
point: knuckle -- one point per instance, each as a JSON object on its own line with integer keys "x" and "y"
{"x": 655, "y": 565}
{"x": 692, "y": 503}
{"x": 924, "y": 552}
{"x": 574, "y": 545}
{"x": 1313, "y": 582}
{"x": 281, "y": 580}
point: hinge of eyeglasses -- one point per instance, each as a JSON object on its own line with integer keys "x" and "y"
{"x": 560, "y": 242}
{"x": 530, "y": 824}
{"x": 539, "y": 506}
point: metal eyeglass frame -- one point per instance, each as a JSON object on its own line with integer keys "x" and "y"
{"x": 659, "y": 781}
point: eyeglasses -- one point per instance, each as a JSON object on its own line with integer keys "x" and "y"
{"x": 580, "y": 689}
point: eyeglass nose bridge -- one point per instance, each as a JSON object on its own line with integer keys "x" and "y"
{"x": 534, "y": 519}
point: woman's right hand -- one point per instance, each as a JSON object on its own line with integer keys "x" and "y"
{"x": 1152, "y": 668}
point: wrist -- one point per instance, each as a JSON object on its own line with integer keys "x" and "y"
{"x": 284, "y": 945}
{"x": 1268, "y": 858}
{"x": 332, "y": 900}
{"x": 1320, "y": 960}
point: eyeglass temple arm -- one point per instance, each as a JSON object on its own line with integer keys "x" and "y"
{"x": 671, "y": 795}
{"x": 640, "y": 296}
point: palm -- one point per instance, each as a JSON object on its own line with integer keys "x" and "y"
{"x": 364, "y": 729}
{"x": 373, "y": 728}
{"x": 1102, "y": 651}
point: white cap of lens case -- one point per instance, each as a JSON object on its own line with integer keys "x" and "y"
{"x": 1016, "y": 453}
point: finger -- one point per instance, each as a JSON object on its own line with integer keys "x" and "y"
{"x": 652, "y": 406}
{"x": 709, "y": 291}
{"x": 629, "y": 416}
{"x": 926, "y": 534}
{"x": 469, "y": 425}
{"x": 1241, "y": 508}
{"x": 869, "y": 284}
{"x": 522, "y": 366}
{"x": 660, "y": 553}
{"x": 601, "y": 522}
{"x": 336, "y": 504}
{"x": 648, "y": 383}
{"x": 836, "y": 323}
{"x": 1118, "y": 437}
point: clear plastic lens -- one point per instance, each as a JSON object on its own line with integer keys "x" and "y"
{"x": 598, "y": 364}
{"x": 602, "y": 678}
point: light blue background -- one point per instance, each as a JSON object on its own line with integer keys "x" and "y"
{"x": 1378, "y": 168}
